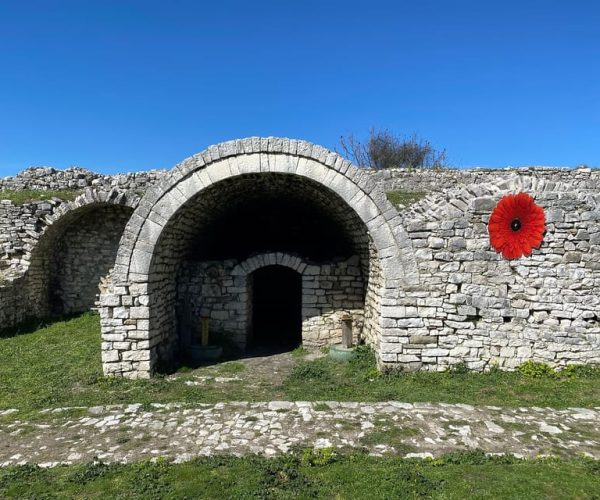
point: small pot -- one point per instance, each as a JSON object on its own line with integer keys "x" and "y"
{"x": 338, "y": 352}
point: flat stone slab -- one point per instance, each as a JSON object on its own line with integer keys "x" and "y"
{"x": 127, "y": 433}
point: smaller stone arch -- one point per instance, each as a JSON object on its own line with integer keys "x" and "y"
{"x": 269, "y": 259}
{"x": 320, "y": 314}
{"x": 244, "y": 274}
{"x": 74, "y": 250}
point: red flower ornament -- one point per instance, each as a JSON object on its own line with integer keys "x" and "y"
{"x": 516, "y": 226}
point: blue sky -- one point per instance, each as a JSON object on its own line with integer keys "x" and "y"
{"x": 132, "y": 85}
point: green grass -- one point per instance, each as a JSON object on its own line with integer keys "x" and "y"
{"x": 312, "y": 475}
{"x": 59, "y": 364}
{"x": 390, "y": 434}
{"x": 357, "y": 380}
{"x": 231, "y": 367}
{"x": 321, "y": 407}
{"x": 22, "y": 196}
{"x": 406, "y": 199}
{"x": 299, "y": 352}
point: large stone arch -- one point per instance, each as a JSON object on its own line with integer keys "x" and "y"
{"x": 137, "y": 312}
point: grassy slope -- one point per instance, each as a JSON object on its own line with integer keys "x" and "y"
{"x": 345, "y": 476}
{"x": 59, "y": 365}
{"x": 22, "y": 196}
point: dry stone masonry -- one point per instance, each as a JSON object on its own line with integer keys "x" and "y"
{"x": 421, "y": 283}
{"x": 223, "y": 290}
{"x": 53, "y": 253}
{"x": 51, "y": 179}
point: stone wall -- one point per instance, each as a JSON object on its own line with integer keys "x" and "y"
{"x": 51, "y": 255}
{"x": 55, "y": 252}
{"x": 223, "y": 291}
{"x": 461, "y": 303}
{"x": 371, "y": 333}
{"x": 475, "y": 307}
{"x": 188, "y": 211}
{"x": 13, "y": 298}
{"x": 329, "y": 292}
{"x": 20, "y": 229}
{"x": 22, "y": 225}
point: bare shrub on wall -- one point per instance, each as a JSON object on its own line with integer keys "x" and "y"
{"x": 383, "y": 149}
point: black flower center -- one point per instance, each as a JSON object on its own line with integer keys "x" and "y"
{"x": 515, "y": 225}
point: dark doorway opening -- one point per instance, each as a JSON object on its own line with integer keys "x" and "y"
{"x": 276, "y": 308}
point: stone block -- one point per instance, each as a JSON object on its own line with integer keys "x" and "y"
{"x": 142, "y": 355}
{"x": 572, "y": 257}
{"x": 408, "y": 358}
{"x": 423, "y": 339}
{"x": 139, "y": 312}
{"x": 110, "y": 356}
{"x": 435, "y": 242}
{"x": 409, "y": 323}
{"x": 110, "y": 300}
{"x": 483, "y": 204}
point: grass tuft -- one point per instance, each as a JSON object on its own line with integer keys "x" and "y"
{"x": 402, "y": 199}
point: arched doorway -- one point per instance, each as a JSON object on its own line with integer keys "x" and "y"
{"x": 276, "y": 310}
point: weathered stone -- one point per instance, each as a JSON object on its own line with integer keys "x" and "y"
{"x": 484, "y": 204}
{"x": 423, "y": 339}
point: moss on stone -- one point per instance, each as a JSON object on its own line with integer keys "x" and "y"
{"x": 404, "y": 199}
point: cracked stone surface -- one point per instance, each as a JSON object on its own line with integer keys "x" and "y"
{"x": 126, "y": 433}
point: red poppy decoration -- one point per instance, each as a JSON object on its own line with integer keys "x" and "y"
{"x": 516, "y": 226}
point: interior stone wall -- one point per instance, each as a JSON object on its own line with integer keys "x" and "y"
{"x": 191, "y": 229}
{"x": 373, "y": 321}
{"x": 222, "y": 290}
{"x": 329, "y": 292}
{"x": 82, "y": 256}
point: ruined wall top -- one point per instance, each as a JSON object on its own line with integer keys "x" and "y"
{"x": 395, "y": 179}
{"x": 433, "y": 180}
{"x": 49, "y": 178}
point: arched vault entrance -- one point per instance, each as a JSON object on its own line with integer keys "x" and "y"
{"x": 74, "y": 253}
{"x": 192, "y": 245}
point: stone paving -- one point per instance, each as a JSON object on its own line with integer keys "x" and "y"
{"x": 180, "y": 432}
